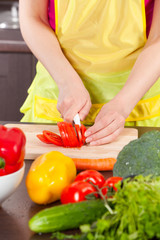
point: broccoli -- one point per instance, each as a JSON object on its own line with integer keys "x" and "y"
{"x": 140, "y": 156}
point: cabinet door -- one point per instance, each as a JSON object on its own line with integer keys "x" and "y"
{"x": 17, "y": 71}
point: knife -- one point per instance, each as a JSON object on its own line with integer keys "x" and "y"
{"x": 77, "y": 120}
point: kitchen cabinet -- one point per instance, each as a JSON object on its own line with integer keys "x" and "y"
{"x": 17, "y": 63}
{"x": 17, "y": 70}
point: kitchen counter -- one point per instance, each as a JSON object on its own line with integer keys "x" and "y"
{"x": 16, "y": 211}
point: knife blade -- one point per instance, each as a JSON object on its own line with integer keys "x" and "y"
{"x": 77, "y": 120}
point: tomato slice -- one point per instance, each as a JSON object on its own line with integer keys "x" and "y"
{"x": 42, "y": 138}
{"x": 72, "y": 136}
{"x": 63, "y": 133}
{"x": 53, "y": 137}
{"x": 83, "y": 129}
{"x": 79, "y": 135}
{"x": 64, "y": 126}
{"x": 67, "y": 131}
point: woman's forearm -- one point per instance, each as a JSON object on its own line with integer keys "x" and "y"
{"x": 144, "y": 74}
{"x": 43, "y": 43}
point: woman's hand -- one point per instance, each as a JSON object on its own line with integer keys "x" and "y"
{"x": 73, "y": 97}
{"x": 108, "y": 125}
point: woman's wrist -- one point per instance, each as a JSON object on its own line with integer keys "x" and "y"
{"x": 63, "y": 72}
{"x": 124, "y": 103}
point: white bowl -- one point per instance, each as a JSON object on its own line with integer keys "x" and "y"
{"x": 9, "y": 183}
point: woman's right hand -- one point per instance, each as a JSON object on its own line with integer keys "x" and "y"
{"x": 73, "y": 98}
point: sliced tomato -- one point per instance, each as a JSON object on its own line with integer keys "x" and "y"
{"x": 72, "y": 136}
{"x": 63, "y": 133}
{"x": 64, "y": 126}
{"x": 49, "y": 134}
{"x": 53, "y": 137}
{"x": 83, "y": 129}
{"x": 79, "y": 135}
{"x": 42, "y": 138}
{"x": 69, "y": 136}
{"x": 67, "y": 131}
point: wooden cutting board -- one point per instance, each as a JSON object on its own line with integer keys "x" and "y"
{"x": 34, "y": 147}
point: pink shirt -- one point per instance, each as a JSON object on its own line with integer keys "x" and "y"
{"x": 149, "y": 5}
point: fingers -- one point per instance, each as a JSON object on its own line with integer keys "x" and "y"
{"x": 85, "y": 110}
{"x": 64, "y": 105}
{"x": 105, "y": 130}
{"x": 68, "y": 111}
{"x": 107, "y": 139}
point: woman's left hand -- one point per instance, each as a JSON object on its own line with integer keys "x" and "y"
{"x": 108, "y": 125}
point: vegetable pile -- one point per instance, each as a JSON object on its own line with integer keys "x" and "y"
{"x": 76, "y": 209}
{"x": 141, "y": 156}
{"x": 69, "y": 136}
{"x": 12, "y": 149}
{"x": 128, "y": 209}
{"x": 135, "y": 214}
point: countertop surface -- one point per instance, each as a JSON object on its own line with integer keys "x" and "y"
{"x": 16, "y": 211}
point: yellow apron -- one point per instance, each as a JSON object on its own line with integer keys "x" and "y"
{"x": 102, "y": 40}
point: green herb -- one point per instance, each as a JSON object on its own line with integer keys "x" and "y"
{"x": 135, "y": 213}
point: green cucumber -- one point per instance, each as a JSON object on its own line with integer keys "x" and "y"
{"x": 67, "y": 216}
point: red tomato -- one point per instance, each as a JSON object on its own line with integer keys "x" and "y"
{"x": 76, "y": 192}
{"x": 92, "y": 176}
{"x": 110, "y": 183}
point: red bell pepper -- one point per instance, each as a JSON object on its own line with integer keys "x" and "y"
{"x": 12, "y": 149}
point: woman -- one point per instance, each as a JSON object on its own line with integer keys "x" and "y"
{"x": 104, "y": 57}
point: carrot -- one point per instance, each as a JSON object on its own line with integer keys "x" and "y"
{"x": 105, "y": 164}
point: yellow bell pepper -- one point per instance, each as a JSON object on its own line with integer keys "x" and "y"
{"x": 48, "y": 175}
